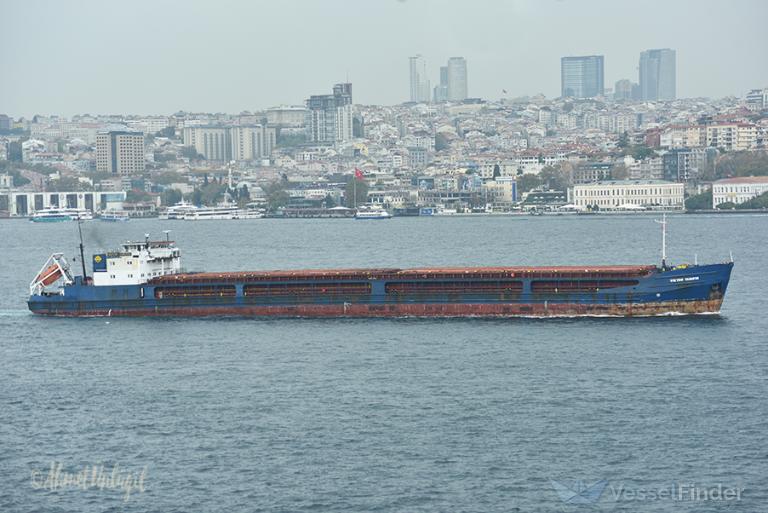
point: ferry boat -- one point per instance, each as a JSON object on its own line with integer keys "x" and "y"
{"x": 114, "y": 216}
{"x": 372, "y": 213}
{"x": 217, "y": 212}
{"x": 54, "y": 215}
{"x": 146, "y": 279}
{"x": 177, "y": 211}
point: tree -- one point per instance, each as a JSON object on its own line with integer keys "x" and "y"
{"x": 555, "y": 177}
{"x": 356, "y": 193}
{"x": 171, "y": 196}
{"x": 728, "y": 205}
{"x": 276, "y": 195}
{"x": 168, "y": 132}
{"x": 756, "y": 202}
{"x": 641, "y": 152}
{"x": 619, "y": 172}
{"x": 527, "y": 182}
{"x": 701, "y": 201}
{"x": 623, "y": 141}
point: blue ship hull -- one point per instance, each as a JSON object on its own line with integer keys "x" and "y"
{"x": 683, "y": 290}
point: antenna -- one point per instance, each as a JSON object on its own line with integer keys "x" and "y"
{"x": 82, "y": 248}
{"x": 663, "y": 224}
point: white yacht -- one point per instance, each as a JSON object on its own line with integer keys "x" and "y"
{"x": 372, "y": 213}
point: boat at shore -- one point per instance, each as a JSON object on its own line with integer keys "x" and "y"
{"x": 55, "y": 215}
{"x": 372, "y": 213}
{"x": 146, "y": 279}
{"x": 114, "y": 216}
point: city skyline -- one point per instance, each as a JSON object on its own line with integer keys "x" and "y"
{"x": 179, "y": 62}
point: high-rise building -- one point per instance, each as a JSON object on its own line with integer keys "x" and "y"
{"x": 581, "y": 77}
{"x": 419, "y": 82}
{"x": 252, "y": 142}
{"x": 757, "y": 99}
{"x": 213, "y": 142}
{"x": 657, "y": 74}
{"x": 5, "y": 122}
{"x": 626, "y": 90}
{"x": 457, "y": 79}
{"x": 441, "y": 90}
{"x": 329, "y": 116}
{"x": 120, "y": 152}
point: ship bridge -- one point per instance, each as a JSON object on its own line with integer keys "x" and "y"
{"x": 136, "y": 263}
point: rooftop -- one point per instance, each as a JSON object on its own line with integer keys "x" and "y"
{"x": 744, "y": 179}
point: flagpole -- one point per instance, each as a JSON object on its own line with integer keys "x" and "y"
{"x": 354, "y": 189}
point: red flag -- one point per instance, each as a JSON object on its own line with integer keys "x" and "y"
{"x": 358, "y": 174}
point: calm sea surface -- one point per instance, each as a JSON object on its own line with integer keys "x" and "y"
{"x": 389, "y": 415}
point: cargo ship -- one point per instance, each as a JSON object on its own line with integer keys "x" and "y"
{"x": 146, "y": 279}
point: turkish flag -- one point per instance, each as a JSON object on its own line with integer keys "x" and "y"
{"x": 358, "y": 174}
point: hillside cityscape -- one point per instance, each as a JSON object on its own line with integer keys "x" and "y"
{"x": 632, "y": 147}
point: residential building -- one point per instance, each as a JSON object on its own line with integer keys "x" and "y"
{"x": 757, "y": 99}
{"x": 330, "y": 116}
{"x": 658, "y": 74}
{"x": 120, "y": 152}
{"x": 419, "y": 82}
{"x": 591, "y": 172}
{"x": 685, "y": 164}
{"x": 252, "y": 142}
{"x": 613, "y": 194}
{"x": 457, "y": 79}
{"x": 213, "y": 142}
{"x": 287, "y": 116}
{"x": 582, "y": 77}
{"x": 732, "y": 136}
{"x": 738, "y": 190}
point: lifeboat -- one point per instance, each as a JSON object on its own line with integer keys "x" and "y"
{"x": 49, "y": 275}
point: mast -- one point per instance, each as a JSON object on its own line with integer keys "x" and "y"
{"x": 82, "y": 248}
{"x": 663, "y": 224}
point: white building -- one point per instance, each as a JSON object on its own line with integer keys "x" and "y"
{"x": 252, "y": 142}
{"x": 738, "y": 190}
{"x": 615, "y": 194}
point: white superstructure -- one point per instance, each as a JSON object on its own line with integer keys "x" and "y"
{"x": 136, "y": 263}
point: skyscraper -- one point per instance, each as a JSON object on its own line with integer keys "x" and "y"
{"x": 457, "y": 79}
{"x": 581, "y": 77}
{"x": 330, "y": 115}
{"x": 657, "y": 74}
{"x": 120, "y": 152}
{"x": 420, "y": 89}
{"x": 441, "y": 90}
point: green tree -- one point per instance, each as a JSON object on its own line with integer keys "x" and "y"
{"x": 169, "y": 132}
{"x": 623, "y": 141}
{"x": 756, "y": 202}
{"x": 527, "y": 182}
{"x": 641, "y": 152}
{"x": 555, "y": 177}
{"x": 276, "y": 195}
{"x": 701, "y": 201}
{"x": 171, "y": 197}
{"x": 356, "y": 192}
{"x": 728, "y": 205}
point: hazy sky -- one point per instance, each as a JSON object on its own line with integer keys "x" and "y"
{"x": 158, "y": 57}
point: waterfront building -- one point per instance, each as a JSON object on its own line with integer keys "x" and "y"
{"x": 20, "y": 203}
{"x": 658, "y": 74}
{"x": 120, "y": 152}
{"x": 419, "y": 82}
{"x": 330, "y": 116}
{"x": 614, "y": 194}
{"x": 738, "y": 190}
{"x": 581, "y": 77}
{"x": 457, "y": 79}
